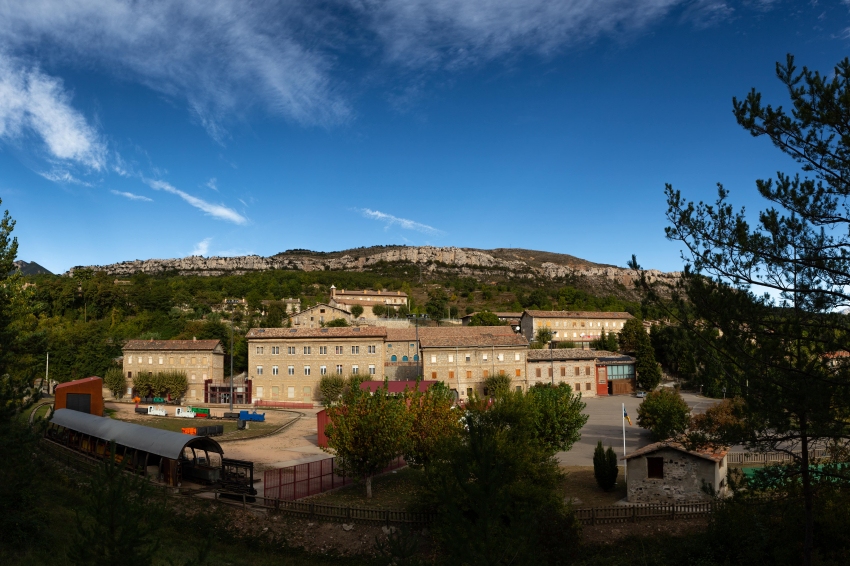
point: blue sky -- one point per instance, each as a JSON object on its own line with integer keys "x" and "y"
{"x": 171, "y": 128}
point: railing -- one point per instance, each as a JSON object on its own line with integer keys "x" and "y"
{"x": 639, "y": 513}
{"x": 769, "y": 457}
{"x": 309, "y": 509}
{"x": 296, "y": 482}
{"x": 282, "y": 404}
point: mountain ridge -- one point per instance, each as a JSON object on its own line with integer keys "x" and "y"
{"x": 505, "y": 262}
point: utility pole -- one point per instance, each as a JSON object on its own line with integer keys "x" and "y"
{"x": 231, "y": 363}
{"x": 47, "y": 373}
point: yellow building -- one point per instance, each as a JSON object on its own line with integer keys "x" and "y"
{"x": 572, "y": 326}
{"x": 201, "y": 360}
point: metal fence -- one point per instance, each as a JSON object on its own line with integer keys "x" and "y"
{"x": 639, "y": 513}
{"x": 296, "y": 482}
{"x": 769, "y": 457}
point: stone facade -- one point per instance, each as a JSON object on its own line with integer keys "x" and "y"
{"x": 572, "y": 326}
{"x": 586, "y": 371}
{"x": 366, "y": 299}
{"x": 666, "y": 472}
{"x": 286, "y": 364}
{"x": 201, "y": 360}
{"x": 316, "y": 316}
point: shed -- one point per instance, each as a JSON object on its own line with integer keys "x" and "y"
{"x": 667, "y": 472}
{"x": 83, "y": 395}
{"x": 140, "y": 446}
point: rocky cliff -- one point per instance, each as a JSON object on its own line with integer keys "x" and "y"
{"x": 431, "y": 260}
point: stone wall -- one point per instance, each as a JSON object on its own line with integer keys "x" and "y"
{"x": 683, "y": 478}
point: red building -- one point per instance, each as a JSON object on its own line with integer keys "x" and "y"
{"x": 84, "y": 395}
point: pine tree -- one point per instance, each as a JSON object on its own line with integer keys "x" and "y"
{"x": 605, "y": 468}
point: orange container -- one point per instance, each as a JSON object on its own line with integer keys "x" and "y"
{"x": 193, "y": 431}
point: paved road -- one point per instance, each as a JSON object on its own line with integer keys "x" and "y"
{"x": 605, "y": 423}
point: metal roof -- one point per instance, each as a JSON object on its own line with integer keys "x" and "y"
{"x": 153, "y": 440}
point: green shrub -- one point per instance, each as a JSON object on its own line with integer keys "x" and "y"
{"x": 605, "y": 468}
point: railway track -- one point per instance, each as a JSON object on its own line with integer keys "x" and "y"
{"x": 270, "y": 433}
{"x": 35, "y": 410}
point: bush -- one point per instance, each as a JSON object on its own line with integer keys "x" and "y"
{"x": 337, "y": 323}
{"x": 379, "y": 310}
{"x": 356, "y": 311}
{"x": 485, "y": 318}
{"x": 665, "y": 414}
{"x": 331, "y": 387}
{"x": 497, "y": 385}
{"x": 605, "y": 468}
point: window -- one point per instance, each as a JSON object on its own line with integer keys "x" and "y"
{"x": 655, "y": 468}
{"x": 433, "y": 375}
{"x": 193, "y": 377}
{"x": 587, "y": 370}
{"x": 306, "y": 350}
{"x": 500, "y": 357}
{"x": 259, "y": 351}
{"x": 577, "y": 371}
{"x": 307, "y": 392}
{"x": 290, "y": 370}
{"x": 193, "y": 394}
{"x": 204, "y": 360}
{"x": 484, "y": 357}
{"x": 468, "y": 358}
{"x": 516, "y": 357}
{"x": 519, "y": 388}
{"x": 372, "y": 369}
{"x": 170, "y": 361}
{"x": 194, "y": 360}
{"x": 338, "y": 349}
{"x": 339, "y": 370}
{"x": 451, "y": 375}
{"x": 259, "y": 392}
{"x": 550, "y": 372}
{"x": 587, "y": 386}
{"x": 373, "y": 349}
{"x": 394, "y": 358}
{"x": 259, "y": 370}
{"x": 323, "y": 350}
{"x": 150, "y": 360}
{"x": 274, "y": 370}
{"x": 563, "y": 372}
{"x": 129, "y": 374}
{"x": 355, "y": 349}
{"x": 433, "y": 359}
{"x": 290, "y": 350}
{"x": 275, "y": 352}
{"x": 577, "y": 387}
{"x": 204, "y": 376}
{"x": 355, "y": 370}
{"x": 323, "y": 370}
{"x": 468, "y": 375}
{"x": 537, "y": 372}
{"x": 275, "y": 391}
{"x": 290, "y": 392}
{"x": 519, "y": 372}
{"x": 451, "y": 358}
{"x": 486, "y": 373}
{"x": 306, "y": 370}
{"x": 322, "y": 311}
{"x": 160, "y": 360}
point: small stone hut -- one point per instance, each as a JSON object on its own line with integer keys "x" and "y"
{"x": 667, "y": 472}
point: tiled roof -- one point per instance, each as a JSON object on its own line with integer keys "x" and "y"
{"x": 405, "y": 334}
{"x": 713, "y": 455}
{"x": 171, "y": 344}
{"x": 578, "y": 314}
{"x": 364, "y": 302}
{"x": 344, "y": 332}
{"x": 569, "y": 354}
{"x": 499, "y": 314}
{"x": 369, "y": 293}
{"x": 318, "y": 305}
{"x": 473, "y": 340}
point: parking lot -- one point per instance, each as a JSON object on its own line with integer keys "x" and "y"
{"x": 605, "y": 423}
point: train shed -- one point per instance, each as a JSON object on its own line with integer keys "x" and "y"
{"x": 84, "y": 395}
{"x": 170, "y": 456}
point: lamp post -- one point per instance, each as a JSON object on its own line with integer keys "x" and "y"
{"x": 416, "y": 317}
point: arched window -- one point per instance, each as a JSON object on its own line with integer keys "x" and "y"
{"x": 404, "y": 358}
{"x": 394, "y": 358}
{"x": 416, "y": 358}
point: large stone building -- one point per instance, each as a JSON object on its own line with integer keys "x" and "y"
{"x": 286, "y": 364}
{"x": 572, "y": 326}
{"x": 667, "y": 472}
{"x": 317, "y": 315}
{"x": 366, "y": 299}
{"x": 201, "y": 360}
{"x": 591, "y": 372}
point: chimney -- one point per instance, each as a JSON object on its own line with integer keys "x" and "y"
{"x": 194, "y": 339}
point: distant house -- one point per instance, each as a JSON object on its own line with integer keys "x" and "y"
{"x": 572, "y": 326}
{"x": 511, "y": 318}
{"x": 317, "y": 315}
{"x": 591, "y": 372}
{"x": 367, "y": 299}
{"x": 667, "y": 472}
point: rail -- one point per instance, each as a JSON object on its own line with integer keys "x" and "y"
{"x": 770, "y": 457}
{"x": 282, "y": 405}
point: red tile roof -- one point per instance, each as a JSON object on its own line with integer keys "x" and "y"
{"x": 713, "y": 455}
{"x": 171, "y": 344}
{"x": 343, "y": 332}
{"x": 409, "y": 334}
{"x": 577, "y": 314}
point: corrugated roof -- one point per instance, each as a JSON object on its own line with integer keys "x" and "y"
{"x": 153, "y": 440}
{"x": 713, "y": 455}
{"x": 343, "y": 332}
{"x": 577, "y": 314}
{"x": 171, "y": 344}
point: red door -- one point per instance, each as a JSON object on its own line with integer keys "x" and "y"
{"x": 602, "y": 380}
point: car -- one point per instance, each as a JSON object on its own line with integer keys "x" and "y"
{"x": 640, "y": 394}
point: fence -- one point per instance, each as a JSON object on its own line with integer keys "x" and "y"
{"x": 638, "y": 513}
{"x": 283, "y": 404}
{"x": 303, "y": 480}
{"x": 769, "y": 457}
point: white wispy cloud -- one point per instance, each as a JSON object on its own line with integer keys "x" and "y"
{"x": 63, "y": 177}
{"x": 220, "y": 56}
{"x": 35, "y": 104}
{"x": 202, "y": 247}
{"x": 390, "y": 220}
{"x": 211, "y": 184}
{"x": 131, "y": 196}
{"x": 215, "y": 210}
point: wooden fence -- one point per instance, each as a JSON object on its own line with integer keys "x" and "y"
{"x": 769, "y": 457}
{"x": 639, "y": 513}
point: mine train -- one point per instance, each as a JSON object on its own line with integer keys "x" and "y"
{"x": 168, "y": 457}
